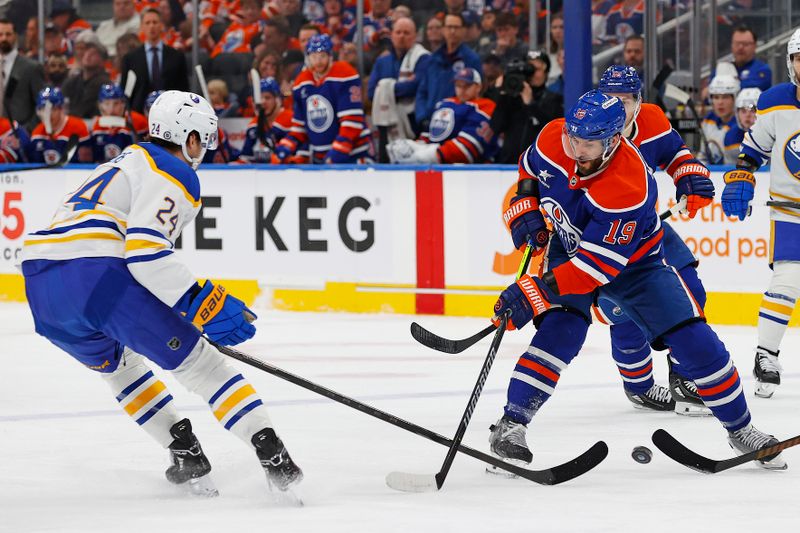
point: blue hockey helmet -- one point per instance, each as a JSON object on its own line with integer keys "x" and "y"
{"x": 270, "y": 85}
{"x": 320, "y": 43}
{"x": 49, "y": 94}
{"x": 110, "y": 91}
{"x": 620, "y": 79}
{"x": 148, "y": 103}
{"x": 595, "y": 117}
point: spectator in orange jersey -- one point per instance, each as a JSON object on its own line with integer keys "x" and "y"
{"x": 49, "y": 139}
{"x": 237, "y": 37}
{"x": 64, "y": 16}
{"x": 275, "y": 37}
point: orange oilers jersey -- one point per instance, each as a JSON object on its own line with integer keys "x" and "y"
{"x": 236, "y": 38}
{"x": 46, "y": 148}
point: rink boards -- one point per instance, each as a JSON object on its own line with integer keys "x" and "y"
{"x": 383, "y": 239}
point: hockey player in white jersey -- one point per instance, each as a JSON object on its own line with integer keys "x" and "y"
{"x": 722, "y": 91}
{"x": 104, "y": 285}
{"x": 774, "y": 138}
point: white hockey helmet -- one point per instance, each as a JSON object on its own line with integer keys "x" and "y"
{"x": 792, "y": 47}
{"x": 724, "y": 84}
{"x": 748, "y": 98}
{"x": 175, "y": 114}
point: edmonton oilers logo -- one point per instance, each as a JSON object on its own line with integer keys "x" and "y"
{"x": 442, "y": 123}
{"x": 791, "y": 155}
{"x": 568, "y": 234}
{"x": 319, "y": 113}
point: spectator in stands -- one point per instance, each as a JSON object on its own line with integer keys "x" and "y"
{"x": 81, "y": 88}
{"x": 400, "y": 11}
{"x": 506, "y": 45}
{"x": 437, "y": 82}
{"x": 624, "y": 19}
{"x": 291, "y": 65}
{"x": 349, "y": 54}
{"x": 78, "y": 49}
{"x": 276, "y": 37}
{"x": 221, "y": 100}
{"x": 633, "y": 53}
{"x": 268, "y": 65}
{"x": 64, "y": 16}
{"x": 125, "y": 19}
{"x": 157, "y": 66}
{"x": 473, "y": 30}
{"x": 557, "y": 86}
{"x": 173, "y": 16}
{"x": 291, "y": 11}
{"x": 266, "y": 130}
{"x": 55, "y": 42}
{"x": 600, "y": 9}
{"x": 306, "y": 33}
{"x": 491, "y": 70}
{"x": 31, "y": 39}
{"x": 328, "y": 113}
{"x": 524, "y": 105}
{"x": 752, "y": 71}
{"x": 55, "y": 70}
{"x": 377, "y": 29}
{"x": 459, "y": 128}
{"x": 556, "y": 44}
{"x": 401, "y": 69}
{"x": 455, "y": 7}
{"x": 50, "y": 137}
{"x": 126, "y": 44}
{"x": 22, "y": 78}
{"x": 488, "y": 19}
{"x": 434, "y": 33}
{"x": 238, "y": 35}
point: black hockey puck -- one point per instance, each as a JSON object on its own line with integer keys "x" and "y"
{"x": 641, "y": 454}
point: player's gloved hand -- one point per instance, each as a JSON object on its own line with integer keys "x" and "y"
{"x": 282, "y": 152}
{"x": 336, "y": 157}
{"x": 222, "y": 317}
{"x": 738, "y": 192}
{"x": 693, "y": 181}
{"x": 526, "y": 222}
{"x": 526, "y": 298}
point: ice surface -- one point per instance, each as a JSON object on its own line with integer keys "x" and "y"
{"x": 70, "y": 460}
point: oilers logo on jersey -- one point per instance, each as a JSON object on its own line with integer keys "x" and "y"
{"x": 442, "y": 123}
{"x": 319, "y": 113}
{"x": 569, "y": 235}
{"x": 791, "y": 155}
{"x": 233, "y": 41}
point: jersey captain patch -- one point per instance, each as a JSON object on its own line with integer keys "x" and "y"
{"x": 791, "y": 154}
{"x": 319, "y": 112}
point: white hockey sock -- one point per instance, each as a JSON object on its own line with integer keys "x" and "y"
{"x": 778, "y": 303}
{"x": 144, "y": 397}
{"x": 232, "y": 399}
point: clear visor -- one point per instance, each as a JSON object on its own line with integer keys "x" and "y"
{"x": 581, "y": 150}
{"x": 211, "y": 141}
{"x": 632, "y": 102}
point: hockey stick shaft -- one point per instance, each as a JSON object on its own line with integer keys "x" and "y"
{"x": 587, "y": 461}
{"x": 674, "y": 210}
{"x": 781, "y": 203}
{"x": 441, "y": 344}
{"x": 473, "y": 401}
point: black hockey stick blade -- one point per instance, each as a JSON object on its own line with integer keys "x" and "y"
{"x": 435, "y": 342}
{"x": 676, "y": 451}
{"x": 550, "y": 476}
{"x": 69, "y": 151}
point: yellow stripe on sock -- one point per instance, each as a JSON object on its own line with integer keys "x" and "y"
{"x": 778, "y": 308}
{"x": 233, "y": 400}
{"x": 145, "y": 396}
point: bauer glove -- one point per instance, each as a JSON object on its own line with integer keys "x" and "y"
{"x": 222, "y": 317}
{"x": 525, "y": 299}
{"x": 526, "y": 222}
{"x": 738, "y": 192}
{"x": 692, "y": 181}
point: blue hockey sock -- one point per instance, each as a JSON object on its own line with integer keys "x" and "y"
{"x": 557, "y": 341}
{"x": 631, "y": 352}
{"x": 705, "y": 361}
{"x": 692, "y": 281}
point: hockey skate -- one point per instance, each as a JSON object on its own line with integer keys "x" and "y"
{"x": 282, "y": 472}
{"x": 687, "y": 401}
{"x": 767, "y": 371}
{"x": 657, "y": 398}
{"x": 507, "y": 441}
{"x": 749, "y": 439}
{"x": 189, "y": 463}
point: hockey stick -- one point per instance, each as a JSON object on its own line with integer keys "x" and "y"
{"x": 675, "y": 209}
{"x": 201, "y": 80}
{"x": 261, "y": 118}
{"x": 676, "y": 451}
{"x": 682, "y": 97}
{"x": 130, "y": 83}
{"x": 10, "y": 88}
{"x": 778, "y": 203}
{"x": 549, "y": 476}
{"x": 433, "y": 482}
{"x": 441, "y": 344}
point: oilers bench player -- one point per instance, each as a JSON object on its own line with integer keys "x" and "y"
{"x": 600, "y": 197}
{"x": 774, "y": 137}
{"x": 104, "y": 285}
{"x": 661, "y": 146}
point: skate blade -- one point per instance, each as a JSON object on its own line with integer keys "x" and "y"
{"x": 287, "y": 498}
{"x": 642, "y": 407}
{"x": 691, "y": 409}
{"x": 495, "y": 471}
{"x": 765, "y": 390}
{"x": 201, "y": 486}
{"x": 776, "y": 463}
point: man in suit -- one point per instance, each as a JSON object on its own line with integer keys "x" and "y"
{"x": 21, "y": 79}
{"x": 157, "y": 66}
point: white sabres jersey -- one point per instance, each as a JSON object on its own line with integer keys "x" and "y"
{"x": 775, "y": 138}
{"x": 133, "y": 207}
{"x": 714, "y": 131}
